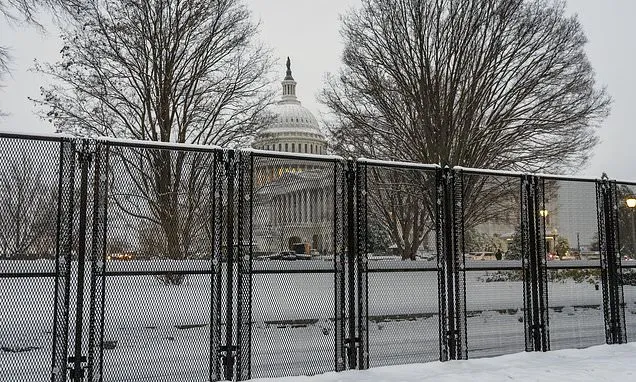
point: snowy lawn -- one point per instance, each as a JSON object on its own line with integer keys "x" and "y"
{"x": 597, "y": 363}
{"x": 156, "y": 332}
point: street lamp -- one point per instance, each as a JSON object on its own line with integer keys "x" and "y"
{"x": 544, "y": 214}
{"x": 631, "y": 203}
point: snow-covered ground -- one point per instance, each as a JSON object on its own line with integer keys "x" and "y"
{"x": 157, "y": 332}
{"x": 594, "y": 364}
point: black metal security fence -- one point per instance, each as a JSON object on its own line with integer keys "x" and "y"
{"x": 132, "y": 261}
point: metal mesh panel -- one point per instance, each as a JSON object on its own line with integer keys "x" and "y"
{"x": 571, "y": 241}
{"x": 29, "y": 196}
{"x": 629, "y": 290}
{"x": 403, "y": 312}
{"x": 627, "y": 248}
{"x": 576, "y": 308}
{"x": 571, "y": 227}
{"x": 205, "y": 253}
{"x": 492, "y": 254}
{"x": 495, "y": 312}
{"x": 293, "y": 330}
{"x": 296, "y": 218}
{"x": 160, "y": 265}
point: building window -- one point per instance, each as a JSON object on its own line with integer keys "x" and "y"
{"x": 279, "y": 149}
{"x": 305, "y": 148}
{"x": 293, "y": 147}
{"x": 286, "y": 147}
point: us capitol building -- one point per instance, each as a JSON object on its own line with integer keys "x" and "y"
{"x": 293, "y": 198}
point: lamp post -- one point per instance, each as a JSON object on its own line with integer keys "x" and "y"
{"x": 544, "y": 214}
{"x": 631, "y": 203}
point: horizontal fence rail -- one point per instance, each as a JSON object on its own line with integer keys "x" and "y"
{"x": 133, "y": 260}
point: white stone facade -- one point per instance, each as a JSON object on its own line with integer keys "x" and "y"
{"x": 293, "y": 201}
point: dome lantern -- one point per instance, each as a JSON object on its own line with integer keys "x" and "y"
{"x": 289, "y": 86}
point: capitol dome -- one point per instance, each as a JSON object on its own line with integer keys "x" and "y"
{"x": 294, "y": 129}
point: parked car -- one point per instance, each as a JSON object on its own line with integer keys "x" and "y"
{"x": 272, "y": 256}
{"x": 286, "y": 256}
{"x": 120, "y": 256}
{"x": 552, "y": 256}
{"x": 481, "y": 256}
{"x": 428, "y": 256}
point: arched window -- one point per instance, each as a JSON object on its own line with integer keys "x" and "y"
{"x": 293, "y": 147}
{"x": 305, "y": 148}
{"x": 279, "y": 149}
{"x": 286, "y": 147}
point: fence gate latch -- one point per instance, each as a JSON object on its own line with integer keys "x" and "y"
{"x": 228, "y": 358}
{"x": 352, "y": 348}
{"x": 76, "y": 373}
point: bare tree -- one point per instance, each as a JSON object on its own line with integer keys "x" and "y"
{"x": 160, "y": 70}
{"x": 501, "y": 84}
{"x": 185, "y": 71}
{"x": 28, "y": 206}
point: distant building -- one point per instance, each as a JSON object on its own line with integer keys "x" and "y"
{"x": 293, "y": 201}
{"x": 575, "y": 215}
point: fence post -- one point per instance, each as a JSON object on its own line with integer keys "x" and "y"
{"x": 351, "y": 342}
{"x": 244, "y": 265}
{"x": 362, "y": 265}
{"x": 229, "y": 349}
{"x": 215, "y": 228}
{"x": 64, "y": 245}
{"x": 85, "y": 157}
{"x": 611, "y": 271}
{"x": 534, "y": 265}
{"x": 450, "y": 265}
{"x": 339, "y": 244}
{"x": 97, "y": 259}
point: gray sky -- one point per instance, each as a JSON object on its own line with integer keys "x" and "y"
{"x": 307, "y": 31}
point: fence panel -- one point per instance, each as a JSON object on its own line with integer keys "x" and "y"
{"x": 162, "y": 265}
{"x": 401, "y": 259}
{"x": 626, "y": 198}
{"x": 32, "y": 275}
{"x": 494, "y": 274}
{"x": 574, "y": 277}
{"x": 181, "y": 263}
{"x": 297, "y": 251}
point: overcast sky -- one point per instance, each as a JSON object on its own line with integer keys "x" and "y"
{"x": 307, "y": 31}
